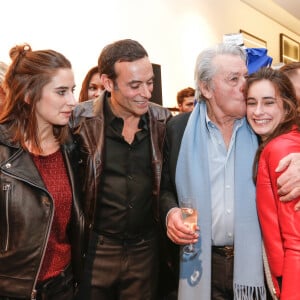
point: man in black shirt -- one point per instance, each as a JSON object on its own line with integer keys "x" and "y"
{"x": 120, "y": 137}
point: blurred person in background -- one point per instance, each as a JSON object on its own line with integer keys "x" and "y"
{"x": 292, "y": 70}
{"x": 186, "y": 99}
{"x": 91, "y": 85}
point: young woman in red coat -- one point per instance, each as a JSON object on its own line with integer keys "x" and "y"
{"x": 272, "y": 113}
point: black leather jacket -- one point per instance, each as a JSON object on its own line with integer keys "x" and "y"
{"x": 26, "y": 213}
{"x": 88, "y": 129}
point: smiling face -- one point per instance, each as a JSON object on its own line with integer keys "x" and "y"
{"x": 57, "y": 101}
{"x": 264, "y": 108}
{"x": 132, "y": 89}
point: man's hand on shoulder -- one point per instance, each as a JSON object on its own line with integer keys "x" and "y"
{"x": 289, "y": 181}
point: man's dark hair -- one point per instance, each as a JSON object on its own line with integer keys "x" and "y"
{"x": 122, "y": 50}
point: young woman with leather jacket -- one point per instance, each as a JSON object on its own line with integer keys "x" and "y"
{"x": 41, "y": 222}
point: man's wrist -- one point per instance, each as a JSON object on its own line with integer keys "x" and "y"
{"x": 169, "y": 212}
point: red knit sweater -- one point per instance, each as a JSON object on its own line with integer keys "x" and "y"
{"x": 58, "y": 252}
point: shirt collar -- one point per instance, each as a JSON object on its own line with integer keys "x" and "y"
{"x": 111, "y": 117}
{"x": 209, "y": 123}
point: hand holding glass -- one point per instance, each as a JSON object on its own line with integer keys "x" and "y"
{"x": 189, "y": 215}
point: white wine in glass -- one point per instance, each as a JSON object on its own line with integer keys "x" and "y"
{"x": 190, "y": 218}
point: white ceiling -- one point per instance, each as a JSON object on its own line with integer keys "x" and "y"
{"x": 284, "y": 12}
{"x": 291, "y": 6}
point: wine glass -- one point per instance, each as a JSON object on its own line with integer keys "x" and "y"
{"x": 190, "y": 218}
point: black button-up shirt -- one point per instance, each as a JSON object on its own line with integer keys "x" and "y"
{"x": 124, "y": 206}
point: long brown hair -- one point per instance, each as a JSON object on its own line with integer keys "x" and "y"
{"x": 286, "y": 91}
{"x": 25, "y": 78}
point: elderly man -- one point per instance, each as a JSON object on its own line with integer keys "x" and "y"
{"x": 209, "y": 156}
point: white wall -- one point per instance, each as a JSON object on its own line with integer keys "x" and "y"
{"x": 172, "y": 31}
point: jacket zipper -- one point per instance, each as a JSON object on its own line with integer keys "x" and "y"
{"x": 6, "y": 188}
{"x": 34, "y": 292}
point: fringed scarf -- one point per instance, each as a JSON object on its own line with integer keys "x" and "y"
{"x": 193, "y": 181}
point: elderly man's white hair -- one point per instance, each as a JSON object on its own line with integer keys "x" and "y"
{"x": 205, "y": 69}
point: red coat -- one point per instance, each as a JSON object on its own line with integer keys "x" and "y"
{"x": 279, "y": 222}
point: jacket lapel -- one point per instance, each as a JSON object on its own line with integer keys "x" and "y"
{"x": 21, "y": 166}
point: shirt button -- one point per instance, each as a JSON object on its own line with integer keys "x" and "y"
{"x": 130, "y": 177}
{"x": 230, "y": 234}
{"x": 227, "y": 186}
{"x": 228, "y": 211}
